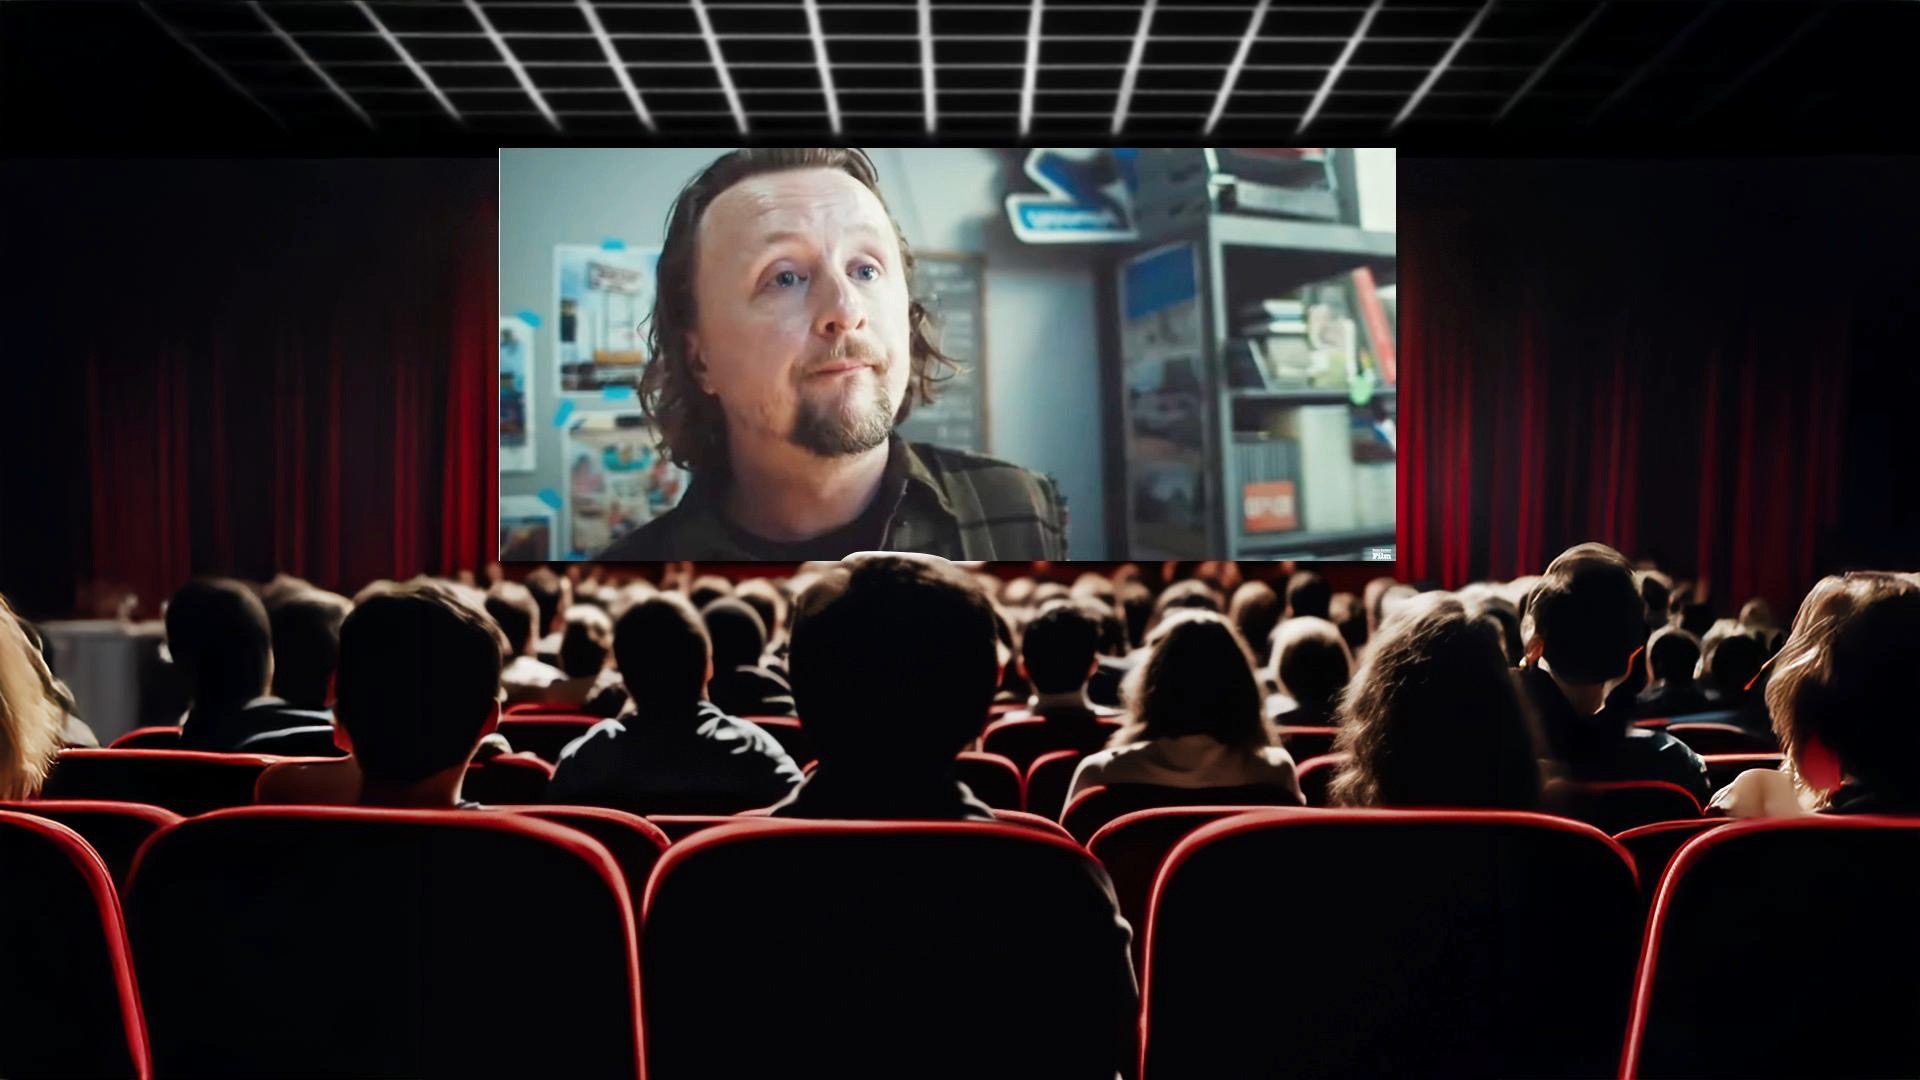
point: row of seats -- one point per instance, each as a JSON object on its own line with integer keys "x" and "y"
{"x": 349, "y": 942}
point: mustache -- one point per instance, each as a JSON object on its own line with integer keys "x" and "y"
{"x": 849, "y": 350}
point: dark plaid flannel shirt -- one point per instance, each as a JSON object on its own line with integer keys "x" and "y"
{"x": 953, "y": 504}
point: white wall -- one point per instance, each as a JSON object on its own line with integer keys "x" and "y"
{"x": 1041, "y": 360}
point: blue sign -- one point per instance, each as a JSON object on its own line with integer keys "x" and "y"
{"x": 1088, "y": 197}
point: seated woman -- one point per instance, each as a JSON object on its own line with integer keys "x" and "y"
{"x": 1843, "y": 696}
{"x": 1433, "y": 718}
{"x": 31, "y": 717}
{"x": 1194, "y": 716}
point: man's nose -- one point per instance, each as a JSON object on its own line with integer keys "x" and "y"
{"x": 840, "y": 311}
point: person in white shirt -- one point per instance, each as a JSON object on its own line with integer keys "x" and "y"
{"x": 1194, "y": 715}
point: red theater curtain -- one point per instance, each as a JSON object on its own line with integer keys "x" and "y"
{"x": 328, "y": 414}
{"x": 1547, "y": 399}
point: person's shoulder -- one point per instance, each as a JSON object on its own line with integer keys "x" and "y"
{"x": 655, "y": 540}
{"x": 597, "y": 738}
{"x": 989, "y": 475}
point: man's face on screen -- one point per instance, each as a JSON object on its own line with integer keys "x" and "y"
{"x": 802, "y": 329}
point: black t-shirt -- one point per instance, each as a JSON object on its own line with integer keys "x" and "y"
{"x": 868, "y": 532}
{"x": 1605, "y": 746}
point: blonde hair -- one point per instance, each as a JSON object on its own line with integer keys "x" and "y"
{"x": 31, "y": 716}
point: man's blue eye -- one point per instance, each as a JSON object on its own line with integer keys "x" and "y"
{"x": 786, "y": 279}
{"x": 871, "y": 269}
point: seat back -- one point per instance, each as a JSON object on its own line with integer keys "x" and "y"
{"x": 1316, "y": 776}
{"x": 354, "y": 942}
{"x": 68, "y": 1004}
{"x": 635, "y": 843}
{"x": 992, "y": 779}
{"x": 114, "y": 830}
{"x": 1134, "y": 846}
{"x": 545, "y": 708}
{"x": 186, "y": 782}
{"x": 148, "y": 738}
{"x": 1303, "y": 742}
{"x": 515, "y": 778}
{"x": 1095, "y": 806}
{"x": 1022, "y": 738}
{"x": 1723, "y": 768}
{"x": 1654, "y": 846}
{"x": 1707, "y": 737}
{"x": 1614, "y": 807}
{"x": 544, "y": 735}
{"x": 1445, "y": 943}
{"x": 678, "y": 827}
{"x": 1047, "y": 781}
{"x": 1769, "y": 952}
{"x": 923, "y": 914}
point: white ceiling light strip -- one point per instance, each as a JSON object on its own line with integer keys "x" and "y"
{"x": 287, "y": 40}
{"x": 1133, "y": 68}
{"x": 927, "y": 94}
{"x": 615, "y": 62}
{"x": 1339, "y": 66}
{"x": 412, "y": 64}
{"x": 1767, "y": 61}
{"x": 720, "y": 65}
{"x": 1552, "y": 59}
{"x": 1239, "y": 62}
{"x": 225, "y": 75}
{"x": 1440, "y": 68}
{"x": 1673, "y": 46}
{"x": 513, "y": 64}
{"x": 826, "y": 69}
{"x": 1032, "y": 76}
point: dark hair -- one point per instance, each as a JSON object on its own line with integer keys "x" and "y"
{"x": 1113, "y": 630}
{"x": 739, "y": 637}
{"x": 1731, "y": 657}
{"x": 766, "y": 601}
{"x": 1136, "y": 606}
{"x": 1198, "y": 679}
{"x": 544, "y": 584}
{"x": 1672, "y": 655}
{"x": 662, "y": 648}
{"x": 1346, "y": 612}
{"x": 586, "y": 640}
{"x": 1656, "y": 589}
{"x": 1696, "y": 618}
{"x": 1255, "y": 611}
{"x": 1485, "y": 602}
{"x": 1308, "y": 594}
{"x": 218, "y": 634}
{"x": 1433, "y": 717}
{"x": 707, "y": 588}
{"x": 1058, "y": 647}
{"x": 419, "y": 679}
{"x": 1849, "y": 675}
{"x": 1588, "y": 614}
{"x": 512, "y": 607}
{"x": 893, "y": 661}
{"x": 1312, "y": 661}
{"x": 692, "y": 430}
{"x": 306, "y": 646}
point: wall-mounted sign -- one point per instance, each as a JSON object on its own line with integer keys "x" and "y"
{"x": 1088, "y": 197}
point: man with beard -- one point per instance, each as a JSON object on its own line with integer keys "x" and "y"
{"x": 786, "y": 348}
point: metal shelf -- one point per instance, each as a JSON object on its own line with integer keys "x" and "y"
{"x": 1306, "y": 397}
{"x": 1303, "y": 543}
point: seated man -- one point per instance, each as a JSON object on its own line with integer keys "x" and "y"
{"x": 1059, "y": 654}
{"x": 742, "y": 685}
{"x": 585, "y": 649}
{"x": 894, "y": 664}
{"x": 673, "y": 751}
{"x": 1312, "y": 665}
{"x": 220, "y": 641}
{"x": 417, "y": 690}
{"x": 1672, "y": 656}
{"x": 306, "y": 645}
{"x": 526, "y": 677}
{"x": 1585, "y": 623}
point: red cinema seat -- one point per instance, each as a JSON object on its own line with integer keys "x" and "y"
{"x": 507, "y": 779}
{"x": 186, "y": 782}
{"x": 68, "y": 1003}
{"x": 1022, "y": 739}
{"x": 1048, "y": 780}
{"x": 1715, "y": 738}
{"x": 992, "y": 779}
{"x": 113, "y": 829}
{"x": 1783, "y": 949}
{"x": 1615, "y": 807}
{"x": 148, "y": 738}
{"x": 1654, "y": 846}
{"x": 1723, "y": 768}
{"x": 1134, "y": 846}
{"x": 1316, "y": 776}
{"x": 912, "y": 926}
{"x": 352, "y": 942}
{"x": 1307, "y": 742}
{"x": 545, "y": 708}
{"x": 678, "y": 827}
{"x": 1445, "y": 943}
{"x": 634, "y": 842}
{"x": 1095, "y": 806}
{"x": 544, "y": 735}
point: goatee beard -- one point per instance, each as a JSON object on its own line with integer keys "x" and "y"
{"x": 828, "y": 432}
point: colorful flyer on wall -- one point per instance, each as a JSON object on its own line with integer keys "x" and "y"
{"x": 527, "y": 532}
{"x": 603, "y": 297}
{"x": 616, "y": 481}
{"x": 516, "y": 396}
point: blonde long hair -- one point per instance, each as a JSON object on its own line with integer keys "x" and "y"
{"x": 31, "y": 716}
